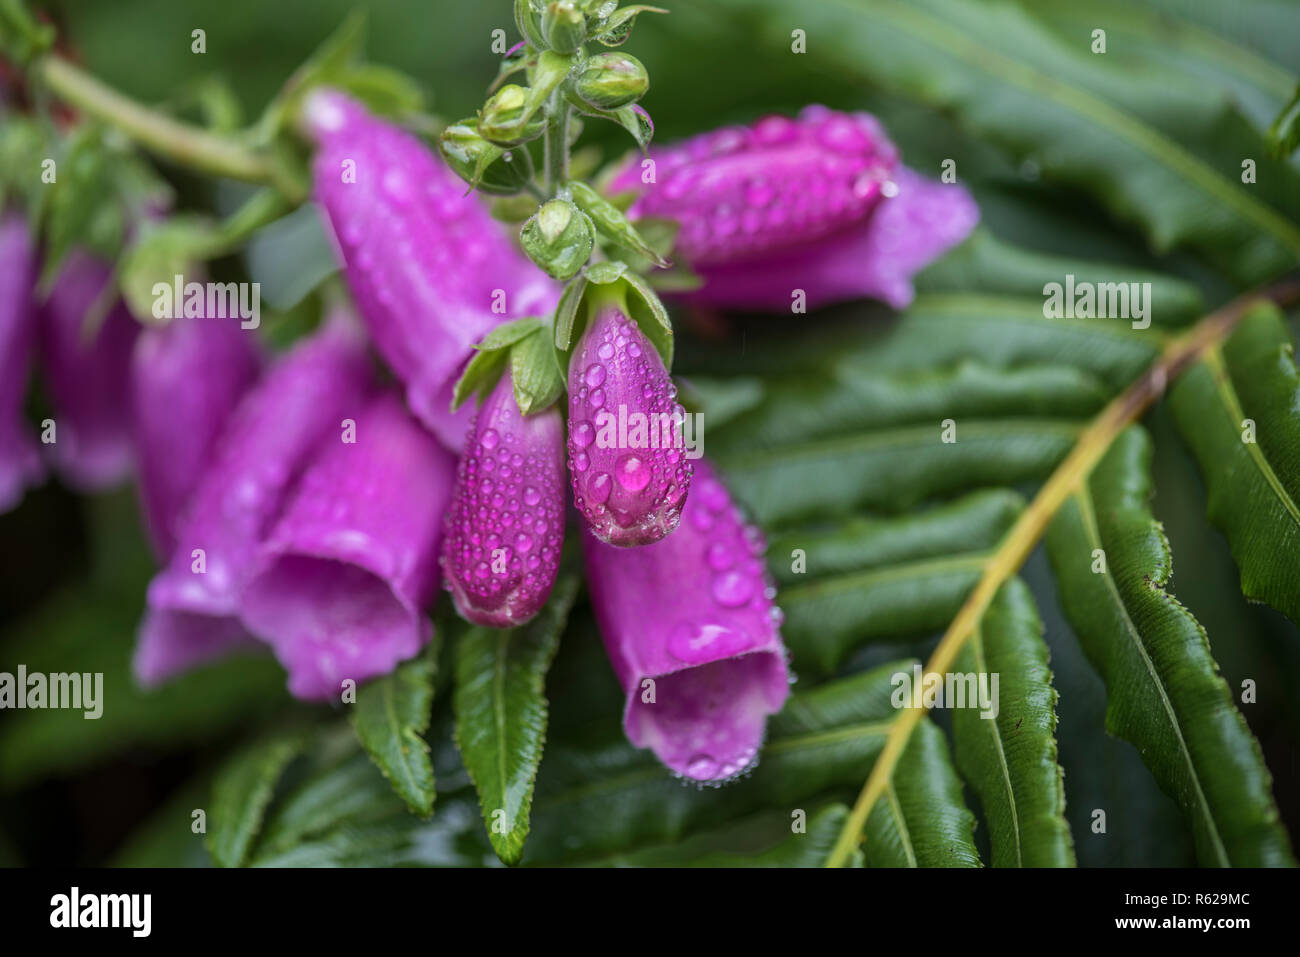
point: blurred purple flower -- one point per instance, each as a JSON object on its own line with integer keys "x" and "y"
{"x": 505, "y": 527}
{"x": 431, "y": 271}
{"x": 87, "y": 377}
{"x": 630, "y": 475}
{"x": 821, "y": 203}
{"x": 186, "y": 378}
{"x": 349, "y": 567}
{"x": 192, "y": 615}
{"x": 693, "y": 635}
{"x": 20, "y": 463}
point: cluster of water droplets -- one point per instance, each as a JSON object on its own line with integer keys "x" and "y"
{"x": 741, "y": 192}
{"x": 739, "y": 618}
{"x": 629, "y": 495}
{"x": 505, "y": 527}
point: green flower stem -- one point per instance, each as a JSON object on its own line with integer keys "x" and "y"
{"x": 557, "y": 144}
{"x": 188, "y": 145}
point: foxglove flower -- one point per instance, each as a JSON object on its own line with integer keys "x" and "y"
{"x": 186, "y": 379}
{"x": 693, "y": 636}
{"x": 630, "y": 472}
{"x": 430, "y": 270}
{"x": 350, "y": 566}
{"x": 87, "y": 377}
{"x": 506, "y": 523}
{"x": 821, "y": 204}
{"x": 20, "y": 463}
{"x": 194, "y": 602}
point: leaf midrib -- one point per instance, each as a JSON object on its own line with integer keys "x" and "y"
{"x": 977, "y": 647}
{"x": 1087, "y": 513}
{"x": 1224, "y": 385}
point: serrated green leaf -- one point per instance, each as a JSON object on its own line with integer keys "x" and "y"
{"x": 241, "y": 792}
{"x": 1010, "y": 759}
{"x": 1164, "y": 691}
{"x": 1249, "y": 389}
{"x": 390, "y": 716}
{"x": 921, "y": 820}
{"x": 882, "y": 578}
{"x": 501, "y": 714}
{"x": 570, "y": 316}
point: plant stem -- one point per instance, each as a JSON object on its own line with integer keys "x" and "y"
{"x": 183, "y": 143}
{"x": 557, "y": 144}
{"x": 1024, "y": 535}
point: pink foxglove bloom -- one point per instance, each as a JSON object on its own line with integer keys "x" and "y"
{"x": 20, "y": 463}
{"x": 87, "y": 376}
{"x": 630, "y": 470}
{"x": 693, "y": 636}
{"x": 821, "y": 203}
{"x": 506, "y": 523}
{"x": 186, "y": 379}
{"x": 194, "y": 602}
{"x": 347, "y": 572}
{"x": 431, "y": 271}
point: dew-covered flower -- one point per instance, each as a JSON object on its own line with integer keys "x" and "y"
{"x": 694, "y": 637}
{"x": 821, "y": 204}
{"x": 87, "y": 374}
{"x": 345, "y": 576}
{"x": 20, "y": 463}
{"x": 194, "y": 602}
{"x": 431, "y": 271}
{"x": 186, "y": 379}
{"x": 630, "y": 471}
{"x": 505, "y": 527}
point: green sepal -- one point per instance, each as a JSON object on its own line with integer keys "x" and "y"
{"x": 563, "y": 26}
{"x": 536, "y": 373}
{"x": 528, "y": 18}
{"x": 613, "y": 282}
{"x": 510, "y": 117}
{"x": 615, "y": 29}
{"x": 612, "y": 224}
{"x": 639, "y": 127}
{"x": 534, "y": 368}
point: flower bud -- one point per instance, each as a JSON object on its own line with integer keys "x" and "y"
{"x": 564, "y": 26}
{"x": 610, "y": 81}
{"x": 506, "y": 120}
{"x": 559, "y": 238}
{"x": 820, "y": 203}
{"x": 505, "y": 527}
{"x": 629, "y": 466}
{"x": 485, "y": 166}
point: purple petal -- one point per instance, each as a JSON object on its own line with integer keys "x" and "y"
{"x": 256, "y": 458}
{"x": 172, "y": 642}
{"x": 346, "y": 573}
{"x": 430, "y": 269}
{"x": 186, "y": 379}
{"x": 20, "y": 462}
{"x": 88, "y": 379}
{"x": 630, "y": 471}
{"x": 820, "y": 204}
{"x": 876, "y": 259}
{"x": 694, "y": 614}
{"x": 506, "y": 523}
